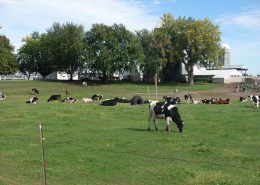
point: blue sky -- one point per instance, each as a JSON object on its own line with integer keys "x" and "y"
{"x": 239, "y": 20}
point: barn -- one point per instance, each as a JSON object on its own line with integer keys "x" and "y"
{"x": 219, "y": 76}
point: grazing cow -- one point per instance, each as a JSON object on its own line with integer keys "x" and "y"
{"x": 165, "y": 110}
{"x": 256, "y": 101}
{"x": 87, "y": 100}
{"x": 54, "y": 97}
{"x": 69, "y": 100}
{"x": 188, "y": 98}
{"x": 137, "y": 100}
{"x": 35, "y": 91}
{"x": 97, "y": 97}
{"x": 111, "y": 102}
{"x": 32, "y": 100}
{"x": 242, "y": 99}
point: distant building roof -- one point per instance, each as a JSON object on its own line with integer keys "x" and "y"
{"x": 217, "y": 73}
{"x": 237, "y": 67}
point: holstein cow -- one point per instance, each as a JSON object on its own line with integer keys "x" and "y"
{"x": 32, "y": 100}
{"x": 2, "y": 96}
{"x": 168, "y": 98}
{"x": 97, "y": 97}
{"x": 69, "y": 100}
{"x": 35, "y": 91}
{"x": 122, "y": 100}
{"x": 256, "y": 101}
{"x": 188, "y": 98}
{"x": 166, "y": 110}
{"x": 242, "y": 99}
{"x": 111, "y": 102}
{"x": 54, "y": 97}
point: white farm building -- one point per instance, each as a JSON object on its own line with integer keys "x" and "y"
{"x": 220, "y": 76}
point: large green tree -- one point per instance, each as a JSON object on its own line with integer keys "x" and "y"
{"x": 195, "y": 42}
{"x": 111, "y": 49}
{"x": 8, "y": 63}
{"x": 66, "y": 47}
{"x": 35, "y": 56}
{"x": 28, "y": 54}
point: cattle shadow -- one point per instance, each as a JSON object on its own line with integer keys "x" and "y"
{"x": 138, "y": 129}
{"x": 146, "y": 130}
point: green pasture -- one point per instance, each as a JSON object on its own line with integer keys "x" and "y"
{"x": 88, "y": 144}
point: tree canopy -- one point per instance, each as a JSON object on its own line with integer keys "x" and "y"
{"x": 8, "y": 63}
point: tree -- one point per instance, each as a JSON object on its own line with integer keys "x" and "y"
{"x": 8, "y": 63}
{"x": 28, "y": 54}
{"x": 111, "y": 49}
{"x": 66, "y": 47}
{"x": 196, "y": 43}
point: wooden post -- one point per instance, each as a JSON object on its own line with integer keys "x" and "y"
{"x": 44, "y": 164}
{"x": 155, "y": 81}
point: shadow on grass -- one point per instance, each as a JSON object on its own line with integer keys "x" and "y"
{"x": 145, "y": 130}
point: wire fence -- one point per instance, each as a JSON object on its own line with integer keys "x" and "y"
{"x": 252, "y": 167}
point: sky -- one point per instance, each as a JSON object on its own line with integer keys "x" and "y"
{"x": 238, "y": 20}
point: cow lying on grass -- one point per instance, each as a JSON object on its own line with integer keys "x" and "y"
{"x": 168, "y": 98}
{"x": 69, "y": 100}
{"x": 96, "y": 97}
{"x": 87, "y": 100}
{"x": 111, "y": 102}
{"x": 54, "y": 98}
{"x": 220, "y": 101}
{"x": 32, "y": 100}
{"x": 166, "y": 110}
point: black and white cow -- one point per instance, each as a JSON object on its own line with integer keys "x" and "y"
{"x": 35, "y": 91}
{"x": 54, "y": 97}
{"x": 111, "y": 102}
{"x": 168, "y": 98}
{"x": 188, "y": 98}
{"x": 123, "y": 100}
{"x": 32, "y": 100}
{"x": 166, "y": 110}
{"x": 256, "y": 100}
{"x": 2, "y": 96}
{"x": 69, "y": 100}
{"x": 242, "y": 99}
{"x": 97, "y": 97}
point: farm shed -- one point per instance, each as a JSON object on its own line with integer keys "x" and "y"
{"x": 220, "y": 76}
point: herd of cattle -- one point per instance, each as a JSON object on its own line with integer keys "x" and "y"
{"x": 166, "y": 109}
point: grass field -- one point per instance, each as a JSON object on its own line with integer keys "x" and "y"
{"x": 95, "y": 145}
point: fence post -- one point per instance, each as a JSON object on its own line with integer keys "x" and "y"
{"x": 44, "y": 164}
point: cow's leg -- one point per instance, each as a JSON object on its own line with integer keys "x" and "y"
{"x": 149, "y": 120}
{"x": 168, "y": 124}
{"x": 154, "y": 122}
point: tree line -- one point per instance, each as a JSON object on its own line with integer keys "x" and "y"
{"x": 107, "y": 50}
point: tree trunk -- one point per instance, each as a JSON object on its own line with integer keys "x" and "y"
{"x": 71, "y": 76}
{"x": 189, "y": 70}
{"x": 190, "y": 78}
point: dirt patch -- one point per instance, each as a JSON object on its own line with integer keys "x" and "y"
{"x": 227, "y": 91}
